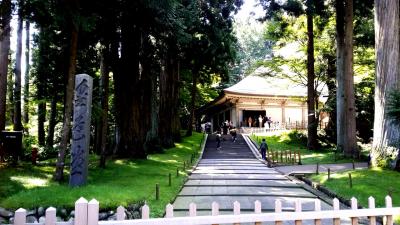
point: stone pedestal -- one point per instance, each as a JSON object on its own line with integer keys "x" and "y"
{"x": 81, "y": 129}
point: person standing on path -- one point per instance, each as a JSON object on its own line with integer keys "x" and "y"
{"x": 233, "y": 133}
{"x": 263, "y": 148}
{"x": 218, "y": 138}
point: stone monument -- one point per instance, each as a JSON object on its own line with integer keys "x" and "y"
{"x": 81, "y": 130}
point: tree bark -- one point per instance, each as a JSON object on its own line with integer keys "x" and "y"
{"x": 41, "y": 119}
{"x": 10, "y": 95}
{"x": 386, "y": 133}
{"x": 41, "y": 87}
{"x": 169, "y": 127}
{"x": 192, "y": 105}
{"x": 17, "y": 86}
{"x": 52, "y": 123}
{"x": 104, "y": 71}
{"x": 132, "y": 90}
{"x": 312, "y": 122}
{"x": 4, "y": 51}
{"x": 66, "y": 129}
{"x": 27, "y": 70}
{"x": 346, "y": 122}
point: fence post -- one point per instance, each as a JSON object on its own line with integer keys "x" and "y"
{"x": 298, "y": 209}
{"x": 278, "y": 209}
{"x": 354, "y": 206}
{"x": 93, "y": 212}
{"x": 299, "y": 157}
{"x": 145, "y": 211}
{"x": 20, "y": 217}
{"x": 214, "y": 210}
{"x": 157, "y": 192}
{"x": 329, "y": 173}
{"x": 317, "y": 169}
{"x": 286, "y": 157}
{"x": 169, "y": 211}
{"x": 257, "y": 209}
{"x": 236, "y": 210}
{"x": 350, "y": 181}
{"x": 120, "y": 213}
{"x": 192, "y": 209}
{"x": 81, "y": 212}
{"x": 371, "y": 205}
{"x": 317, "y": 208}
{"x": 50, "y": 216}
{"x": 389, "y": 218}
{"x": 336, "y": 221}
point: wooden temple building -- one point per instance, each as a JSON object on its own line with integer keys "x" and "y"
{"x": 277, "y": 103}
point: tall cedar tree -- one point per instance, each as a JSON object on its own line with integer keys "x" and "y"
{"x": 346, "y": 120}
{"x": 17, "y": 71}
{"x": 5, "y": 18}
{"x": 71, "y": 7}
{"x": 386, "y": 132}
{"x": 295, "y": 8}
{"x": 27, "y": 71}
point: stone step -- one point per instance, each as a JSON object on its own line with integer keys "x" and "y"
{"x": 246, "y": 202}
{"x": 236, "y": 171}
{"x": 243, "y": 183}
{"x": 237, "y": 177}
{"x": 244, "y": 191}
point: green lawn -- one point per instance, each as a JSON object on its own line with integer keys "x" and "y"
{"x": 121, "y": 183}
{"x": 292, "y": 141}
{"x": 374, "y": 182}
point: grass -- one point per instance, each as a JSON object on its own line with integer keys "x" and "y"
{"x": 123, "y": 182}
{"x": 296, "y": 141}
{"x": 374, "y": 182}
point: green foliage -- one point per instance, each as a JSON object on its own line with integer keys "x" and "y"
{"x": 28, "y": 142}
{"x": 393, "y": 106}
{"x": 121, "y": 183}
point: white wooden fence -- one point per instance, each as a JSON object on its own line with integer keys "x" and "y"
{"x": 87, "y": 213}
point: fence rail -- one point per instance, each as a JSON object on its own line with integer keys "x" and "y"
{"x": 284, "y": 156}
{"x": 87, "y": 213}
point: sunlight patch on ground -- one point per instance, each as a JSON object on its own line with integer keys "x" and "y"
{"x": 30, "y": 182}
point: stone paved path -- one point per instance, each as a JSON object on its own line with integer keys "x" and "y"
{"x": 235, "y": 174}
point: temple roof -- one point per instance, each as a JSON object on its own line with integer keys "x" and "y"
{"x": 267, "y": 86}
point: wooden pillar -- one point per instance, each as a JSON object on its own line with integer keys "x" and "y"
{"x": 283, "y": 105}
{"x": 303, "y": 115}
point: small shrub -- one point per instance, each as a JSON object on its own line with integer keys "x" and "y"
{"x": 27, "y": 143}
{"x": 297, "y": 137}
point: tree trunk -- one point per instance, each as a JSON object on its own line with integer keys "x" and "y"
{"x": 346, "y": 122}
{"x": 131, "y": 90}
{"x": 153, "y": 143}
{"x": 312, "y": 122}
{"x": 192, "y": 105}
{"x": 104, "y": 72}
{"x": 41, "y": 87}
{"x": 27, "y": 69}
{"x": 386, "y": 133}
{"x": 52, "y": 123}
{"x": 66, "y": 129}
{"x": 17, "y": 87}
{"x": 169, "y": 127}
{"x": 10, "y": 95}
{"x": 4, "y": 51}
{"x": 41, "y": 120}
